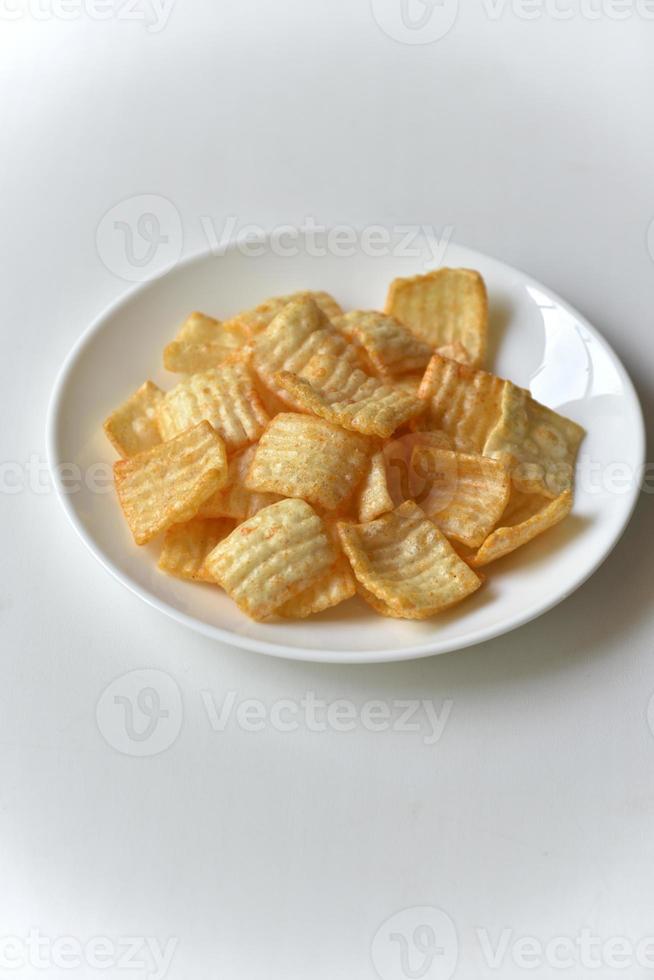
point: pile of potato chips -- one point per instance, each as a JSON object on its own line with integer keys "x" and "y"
{"x": 307, "y": 455}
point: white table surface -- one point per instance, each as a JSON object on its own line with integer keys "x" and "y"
{"x": 250, "y": 854}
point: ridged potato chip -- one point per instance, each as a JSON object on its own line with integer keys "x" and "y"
{"x": 538, "y": 444}
{"x": 406, "y": 564}
{"x": 225, "y": 396}
{"x": 349, "y": 397}
{"x": 186, "y": 546}
{"x": 455, "y": 352}
{"x": 392, "y": 349}
{"x": 234, "y": 499}
{"x": 202, "y": 343}
{"x": 166, "y": 485}
{"x": 523, "y": 520}
{"x": 272, "y": 557}
{"x": 332, "y": 588}
{"x": 307, "y": 457}
{"x": 443, "y": 306}
{"x": 133, "y": 427}
{"x": 256, "y": 320}
{"x": 292, "y": 340}
{"x": 373, "y": 497}
{"x": 462, "y": 402}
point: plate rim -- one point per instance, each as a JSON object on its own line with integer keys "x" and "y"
{"x": 240, "y": 641}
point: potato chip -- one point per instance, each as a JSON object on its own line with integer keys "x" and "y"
{"x": 332, "y": 588}
{"x": 392, "y": 349}
{"x": 292, "y": 340}
{"x": 443, "y": 306}
{"x": 186, "y": 546}
{"x": 166, "y": 485}
{"x": 537, "y": 443}
{"x": 523, "y": 520}
{"x": 303, "y": 456}
{"x": 465, "y": 494}
{"x": 455, "y": 352}
{"x": 373, "y": 497}
{"x": 225, "y": 396}
{"x": 347, "y": 396}
{"x": 254, "y": 321}
{"x": 202, "y": 343}
{"x": 275, "y": 555}
{"x": 133, "y": 427}
{"x": 234, "y": 499}
{"x": 462, "y": 402}
{"x": 407, "y": 564}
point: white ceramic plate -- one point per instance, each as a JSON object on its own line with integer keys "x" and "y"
{"x": 537, "y": 340}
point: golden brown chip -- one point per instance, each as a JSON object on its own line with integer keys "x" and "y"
{"x": 392, "y": 349}
{"x": 373, "y": 497}
{"x": 202, "y": 343}
{"x": 523, "y": 520}
{"x": 167, "y": 484}
{"x": 347, "y": 396}
{"x": 462, "y": 402}
{"x": 455, "y": 352}
{"x": 225, "y": 396}
{"x": 234, "y": 499}
{"x": 291, "y": 342}
{"x": 407, "y": 564}
{"x": 272, "y": 557}
{"x": 186, "y": 546}
{"x": 303, "y": 456}
{"x": 538, "y": 444}
{"x": 443, "y": 306}
{"x": 133, "y": 427}
{"x": 332, "y": 588}
{"x": 256, "y": 320}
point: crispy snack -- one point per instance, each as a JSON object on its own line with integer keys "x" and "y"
{"x": 254, "y": 321}
{"x": 443, "y": 306}
{"x": 303, "y": 456}
{"x": 272, "y": 557}
{"x": 234, "y": 499}
{"x": 202, "y": 343}
{"x": 406, "y": 564}
{"x": 455, "y": 352}
{"x": 293, "y": 339}
{"x": 347, "y": 396}
{"x": 466, "y": 495}
{"x": 332, "y": 588}
{"x": 166, "y": 485}
{"x": 526, "y": 516}
{"x": 462, "y": 402}
{"x": 391, "y": 348}
{"x": 373, "y": 497}
{"x": 538, "y": 444}
{"x": 186, "y": 546}
{"x": 133, "y": 427}
{"x": 225, "y": 396}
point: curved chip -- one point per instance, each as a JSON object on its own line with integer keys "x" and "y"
{"x": 225, "y": 396}
{"x": 373, "y": 497}
{"x": 167, "y": 484}
{"x": 254, "y": 321}
{"x": 392, "y": 349}
{"x": 443, "y": 306}
{"x": 407, "y": 564}
{"x": 527, "y": 516}
{"x": 272, "y": 557}
{"x": 303, "y": 456}
{"x": 186, "y": 546}
{"x": 332, "y": 588}
{"x": 133, "y": 428}
{"x": 234, "y": 499}
{"x": 202, "y": 343}
{"x": 462, "y": 402}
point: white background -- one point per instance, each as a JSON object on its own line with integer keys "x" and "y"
{"x": 272, "y": 854}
